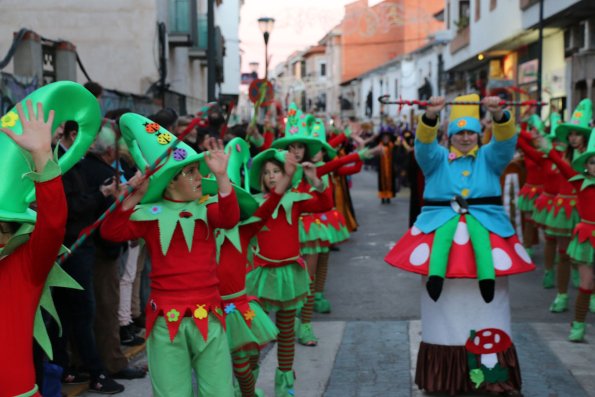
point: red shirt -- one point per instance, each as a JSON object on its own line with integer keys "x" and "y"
{"x": 551, "y": 175}
{"x": 23, "y": 274}
{"x": 279, "y": 241}
{"x": 233, "y": 263}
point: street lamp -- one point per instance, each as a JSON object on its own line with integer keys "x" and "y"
{"x": 266, "y": 25}
{"x": 253, "y": 70}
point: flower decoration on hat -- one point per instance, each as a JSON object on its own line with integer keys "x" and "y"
{"x": 9, "y": 119}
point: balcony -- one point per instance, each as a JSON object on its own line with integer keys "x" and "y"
{"x": 461, "y": 40}
{"x": 185, "y": 26}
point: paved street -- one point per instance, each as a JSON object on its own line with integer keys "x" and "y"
{"x": 368, "y": 344}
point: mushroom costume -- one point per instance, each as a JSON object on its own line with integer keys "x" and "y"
{"x": 462, "y": 234}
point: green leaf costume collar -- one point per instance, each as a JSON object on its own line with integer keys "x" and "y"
{"x": 587, "y": 180}
{"x": 287, "y": 201}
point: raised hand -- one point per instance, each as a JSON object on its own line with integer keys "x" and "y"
{"x": 492, "y": 103}
{"x": 291, "y": 164}
{"x": 216, "y": 158}
{"x": 435, "y": 105}
{"x": 36, "y": 137}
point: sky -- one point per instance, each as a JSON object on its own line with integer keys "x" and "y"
{"x": 298, "y": 24}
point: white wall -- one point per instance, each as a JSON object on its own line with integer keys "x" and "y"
{"x": 228, "y": 19}
{"x": 115, "y": 39}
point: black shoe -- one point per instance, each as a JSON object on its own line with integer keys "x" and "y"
{"x": 334, "y": 248}
{"x": 128, "y": 337}
{"x": 487, "y": 289}
{"x": 139, "y": 321}
{"x": 103, "y": 384}
{"x": 72, "y": 377}
{"x": 434, "y": 287}
{"x": 130, "y": 373}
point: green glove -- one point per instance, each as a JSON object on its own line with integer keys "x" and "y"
{"x": 477, "y": 377}
{"x": 347, "y": 132}
{"x": 364, "y": 154}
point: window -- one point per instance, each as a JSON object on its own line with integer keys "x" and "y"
{"x": 493, "y": 4}
{"x": 396, "y": 88}
{"x": 322, "y": 69}
{"x": 477, "y": 10}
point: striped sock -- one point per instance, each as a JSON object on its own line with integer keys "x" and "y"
{"x": 321, "y": 271}
{"x": 243, "y": 373}
{"x": 308, "y": 306}
{"x": 582, "y": 305}
{"x": 285, "y": 321}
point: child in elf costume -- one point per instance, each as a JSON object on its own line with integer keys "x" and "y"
{"x": 184, "y": 318}
{"x": 563, "y": 216}
{"x": 249, "y": 328}
{"x": 462, "y": 234}
{"x": 582, "y": 246}
{"x": 543, "y": 204}
{"x": 279, "y": 278}
{"x": 29, "y": 241}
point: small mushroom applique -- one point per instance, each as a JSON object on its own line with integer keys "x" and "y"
{"x": 487, "y": 343}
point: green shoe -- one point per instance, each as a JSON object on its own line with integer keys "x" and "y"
{"x": 284, "y": 383}
{"x": 560, "y": 304}
{"x": 529, "y": 251}
{"x": 259, "y": 392}
{"x": 321, "y": 304}
{"x": 592, "y": 304}
{"x": 575, "y": 278}
{"x": 548, "y": 279}
{"x": 306, "y": 335}
{"x": 577, "y": 332}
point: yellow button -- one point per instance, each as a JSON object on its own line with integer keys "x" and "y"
{"x": 466, "y": 173}
{"x": 465, "y": 192}
{"x": 560, "y": 201}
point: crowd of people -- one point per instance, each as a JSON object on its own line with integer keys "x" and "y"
{"x": 221, "y": 227}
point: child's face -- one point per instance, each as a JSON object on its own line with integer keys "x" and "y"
{"x": 576, "y": 140}
{"x": 298, "y": 149}
{"x": 271, "y": 174}
{"x": 188, "y": 185}
{"x": 318, "y": 157}
{"x": 590, "y": 165}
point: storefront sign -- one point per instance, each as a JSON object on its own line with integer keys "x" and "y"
{"x": 528, "y": 71}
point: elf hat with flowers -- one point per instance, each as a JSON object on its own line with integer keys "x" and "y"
{"x": 318, "y": 131}
{"x": 147, "y": 141}
{"x": 260, "y": 160}
{"x": 70, "y": 101}
{"x": 535, "y": 121}
{"x": 555, "y": 121}
{"x": 464, "y": 117}
{"x": 237, "y": 169}
{"x": 297, "y": 129}
{"x": 580, "y": 121}
{"x": 579, "y": 163}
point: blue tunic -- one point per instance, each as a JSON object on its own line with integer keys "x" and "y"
{"x": 468, "y": 176}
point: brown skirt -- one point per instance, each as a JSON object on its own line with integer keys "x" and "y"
{"x": 444, "y": 369}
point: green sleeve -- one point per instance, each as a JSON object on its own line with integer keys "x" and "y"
{"x": 50, "y": 171}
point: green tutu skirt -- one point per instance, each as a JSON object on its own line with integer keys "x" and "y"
{"x": 581, "y": 253}
{"x": 526, "y": 204}
{"x": 316, "y": 239}
{"x": 561, "y": 225}
{"x": 247, "y": 337}
{"x": 338, "y": 236}
{"x": 279, "y": 288}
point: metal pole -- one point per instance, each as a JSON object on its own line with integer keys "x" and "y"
{"x": 540, "y": 54}
{"x": 266, "y": 55}
{"x": 211, "y": 51}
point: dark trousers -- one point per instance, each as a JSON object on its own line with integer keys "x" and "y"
{"x": 76, "y": 309}
{"x": 107, "y": 326}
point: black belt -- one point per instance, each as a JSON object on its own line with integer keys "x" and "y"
{"x": 461, "y": 205}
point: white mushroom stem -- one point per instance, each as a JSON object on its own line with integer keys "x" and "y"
{"x": 489, "y": 360}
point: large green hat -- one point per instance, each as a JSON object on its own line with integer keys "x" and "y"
{"x": 147, "y": 141}
{"x": 555, "y": 121}
{"x": 297, "y": 129}
{"x": 580, "y": 121}
{"x": 70, "y": 101}
{"x": 319, "y": 132}
{"x": 535, "y": 121}
{"x": 258, "y": 164}
{"x": 579, "y": 163}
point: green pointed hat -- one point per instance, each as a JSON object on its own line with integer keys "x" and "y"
{"x": 259, "y": 161}
{"x": 580, "y": 121}
{"x": 579, "y": 163}
{"x": 147, "y": 141}
{"x": 555, "y": 121}
{"x": 70, "y": 101}
{"x": 237, "y": 169}
{"x": 297, "y": 129}
{"x": 318, "y": 131}
{"x": 535, "y": 121}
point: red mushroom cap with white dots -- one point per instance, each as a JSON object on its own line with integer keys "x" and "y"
{"x": 487, "y": 341}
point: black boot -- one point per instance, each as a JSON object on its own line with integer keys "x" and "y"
{"x": 434, "y": 287}
{"x": 487, "y": 289}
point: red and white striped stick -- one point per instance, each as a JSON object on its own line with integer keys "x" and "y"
{"x": 385, "y": 99}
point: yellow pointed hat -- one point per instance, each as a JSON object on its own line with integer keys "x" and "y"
{"x": 464, "y": 117}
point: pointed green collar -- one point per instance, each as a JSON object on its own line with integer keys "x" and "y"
{"x": 587, "y": 180}
{"x": 232, "y": 235}
{"x": 170, "y": 213}
{"x": 289, "y": 198}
